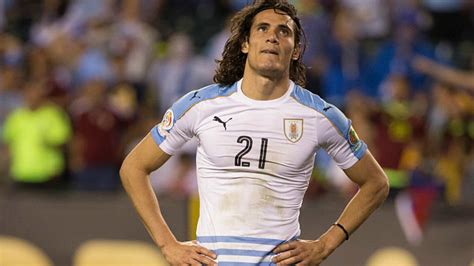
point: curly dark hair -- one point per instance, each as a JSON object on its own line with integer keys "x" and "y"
{"x": 231, "y": 67}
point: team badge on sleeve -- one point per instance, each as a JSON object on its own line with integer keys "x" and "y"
{"x": 293, "y": 129}
{"x": 167, "y": 123}
{"x": 168, "y": 120}
{"x": 354, "y": 140}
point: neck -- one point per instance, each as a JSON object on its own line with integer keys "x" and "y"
{"x": 262, "y": 88}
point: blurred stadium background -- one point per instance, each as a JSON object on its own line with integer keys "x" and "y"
{"x": 81, "y": 81}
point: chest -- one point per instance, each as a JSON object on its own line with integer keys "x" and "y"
{"x": 270, "y": 139}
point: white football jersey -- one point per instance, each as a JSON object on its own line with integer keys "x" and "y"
{"x": 254, "y": 161}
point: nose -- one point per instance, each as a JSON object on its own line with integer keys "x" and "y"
{"x": 272, "y": 37}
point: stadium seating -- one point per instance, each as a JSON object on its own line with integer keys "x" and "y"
{"x": 117, "y": 252}
{"x": 392, "y": 256}
{"x": 15, "y": 251}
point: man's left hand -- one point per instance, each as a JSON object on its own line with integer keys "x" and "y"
{"x": 300, "y": 252}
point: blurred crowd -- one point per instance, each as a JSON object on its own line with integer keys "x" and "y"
{"x": 81, "y": 81}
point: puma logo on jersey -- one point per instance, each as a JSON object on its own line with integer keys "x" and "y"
{"x": 195, "y": 95}
{"x": 222, "y": 122}
{"x": 327, "y": 108}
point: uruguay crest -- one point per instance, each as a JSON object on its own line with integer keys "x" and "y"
{"x": 293, "y": 129}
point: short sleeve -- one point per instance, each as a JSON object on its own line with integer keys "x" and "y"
{"x": 339, "y": 139}
{"x": 177, "y": 126}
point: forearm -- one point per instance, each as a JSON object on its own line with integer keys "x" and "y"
{"x": 305, "y": 252}
{"x": 140, "y": 191}
{"x": 369, "y": 197}
{"x": 455, "y": 77}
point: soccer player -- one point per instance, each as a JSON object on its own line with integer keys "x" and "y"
{"x": 258, "y": 132}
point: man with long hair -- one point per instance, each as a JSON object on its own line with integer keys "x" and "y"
{"x": 258, "y": 132}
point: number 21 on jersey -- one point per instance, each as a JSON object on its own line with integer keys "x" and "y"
{"x": 248, "y": 147}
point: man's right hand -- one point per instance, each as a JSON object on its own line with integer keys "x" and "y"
{"x": 188, "y": 253}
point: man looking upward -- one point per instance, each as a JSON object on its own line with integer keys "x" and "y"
{"x": 258, "y": 132}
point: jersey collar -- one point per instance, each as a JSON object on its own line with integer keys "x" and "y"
{"x": 264, "y": 103}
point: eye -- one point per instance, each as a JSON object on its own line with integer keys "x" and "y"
{"x": 262, "y": 28}
{"x": 284, "y": 32}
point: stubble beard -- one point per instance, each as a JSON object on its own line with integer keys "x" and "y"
{"x": 269, "y": 70}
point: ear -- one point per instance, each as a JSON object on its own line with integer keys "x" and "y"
{"x": 244, "y": 47}
{"x": 296, "y": 53}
